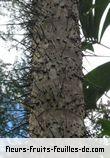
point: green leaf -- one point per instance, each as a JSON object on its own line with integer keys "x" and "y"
{"x": 87, "y": 45}
{"x": 106, "y": 24}
{"x": 86, "y": 17}
{"x": 96, "y": 83}
{"x": 90, "y": 18}
{"x": 100, "y": 7}
{"x": 105, "y": 124}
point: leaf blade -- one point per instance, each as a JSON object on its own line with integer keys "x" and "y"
{"x": 95, "y": 84}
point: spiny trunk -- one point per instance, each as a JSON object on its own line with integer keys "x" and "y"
{"x": 56, "y": 74}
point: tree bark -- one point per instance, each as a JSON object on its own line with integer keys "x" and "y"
{"x": 56, "y": 74}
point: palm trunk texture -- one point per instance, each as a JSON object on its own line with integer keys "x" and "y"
{"x": 56, "y": 74}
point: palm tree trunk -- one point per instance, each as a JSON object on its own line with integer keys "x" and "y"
{"x": 56, "y": 73}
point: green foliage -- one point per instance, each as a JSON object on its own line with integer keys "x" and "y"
{"x": 105, "y": 127}
{"x": 96, "y": 83}
{"x": 87, "y": 45}
{"x": 94, "y": 119}
{"x": 91, "y": 16}
{"x": 106, "y": 23}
